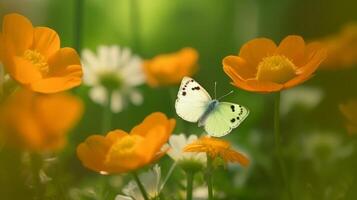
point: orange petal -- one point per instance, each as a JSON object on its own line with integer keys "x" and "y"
{"x": 293, "y": 47}
{"x": 115, "y": 135}
{"x": 251, "y": 84}
{"x": 256, "y": 49}
{"x": 60, "y": 61}
{"x": 155, "y": 138}
{"x": 59, "y": 112}
{"x": 154, "y": 119}
{"x": 46, "y": 41}
{"x": 234, "y": 156}
{"x": 57, "y": 84}
{"x": 92, "y": 152}
{"x": 307, "y": 70}
{"x": 24, "y": 71}
{"x": 17, "y": 32}
{"x": 240, "y": 66}
{"x": 188, "y": 57}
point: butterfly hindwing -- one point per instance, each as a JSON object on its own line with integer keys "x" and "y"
{"x": 192, "y": 100}
{"x": 225, "y": 117}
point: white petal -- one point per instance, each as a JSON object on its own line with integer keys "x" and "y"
{"x": 98, "y": 94}
{"x": 117, "y": 103}
{"x": 304, "y": 96}
{"x": 177, "y": 143}
{"x": 114, "y": 56}
{"x": 122, "y": 197}
{"x": 125, "y": 56}
{"x": 136, "y": 97}
{"x": 89, "y": 59}
{"x": 104, "y": 56}
{"x": 133, "y": 72}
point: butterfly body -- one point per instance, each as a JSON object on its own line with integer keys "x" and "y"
{"x": 211, "y": 107}
{"x": 194, "y": 104}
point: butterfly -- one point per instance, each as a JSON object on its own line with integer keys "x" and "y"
{"x": 194, "y": 104}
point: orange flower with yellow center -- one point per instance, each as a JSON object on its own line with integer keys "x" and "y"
{"x": 36, "y": 122}
{"x": 262, "y": 66}
{"x": 169, "y": 69}
{"x": 215, "y": 147}
{"x": 120, "y": 152}
{"x": 33, "y": 57}
{"x": 349, "y": 110}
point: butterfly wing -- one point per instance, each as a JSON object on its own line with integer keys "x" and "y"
{"x": 225, "y": 117}
{"x": 192, "y": 100}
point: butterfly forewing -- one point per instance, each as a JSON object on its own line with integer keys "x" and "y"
{"x": 192, "y": 100}
{"x": 225, "y": 117}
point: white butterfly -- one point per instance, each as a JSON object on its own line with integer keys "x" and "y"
{"x": 194, "y": 104}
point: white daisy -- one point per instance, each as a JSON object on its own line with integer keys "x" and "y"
{"x": 150, "y": 181}
{"x": 307, "y": 97}
{"x": 185, "y": 159}
{"x": 113, "y": 73}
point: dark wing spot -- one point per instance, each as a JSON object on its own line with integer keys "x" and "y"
{"x": 233, "y": 120}
{"x": 237, "y": 118}
{"x": 184, "y": 93}
{"x": 195, "y": 88}
{"x": 233, "y": 108}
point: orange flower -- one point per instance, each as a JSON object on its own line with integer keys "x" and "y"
{"x": 169, "y": 69}
{"x": 33, "y": 57}
{"x": 38, "y": 122}
{"x": 120, "y": 152}
{"x": 341, "y": 48}
{"x": 215, "y": 147}
{"x": 262, "y": 66}
{"x": 349, "y": 110}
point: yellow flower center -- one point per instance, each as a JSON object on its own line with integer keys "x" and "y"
{"x": 278, "y": 69}
{"x": 37, "y": 59}
{"x": 125, "y": 145}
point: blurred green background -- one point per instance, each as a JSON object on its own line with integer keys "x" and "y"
{"x": 321, "y": 157}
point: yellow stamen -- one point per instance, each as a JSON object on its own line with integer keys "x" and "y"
{"x": 277, "y": 68}
{"x": 125, "y": 146}
{"x": 37, "y": 59}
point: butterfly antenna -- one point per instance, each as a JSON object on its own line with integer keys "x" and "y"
{"x": 225, "y": 95}
{"x": 215, "y": 89}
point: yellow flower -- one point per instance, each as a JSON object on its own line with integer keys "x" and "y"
{"x": 120, "y": 152}
{"x": 38, "y": 122}
{"x": 341, "y": 49}
{"x": 262, "y": 66}
{"x": 349, "y": 110}
{"x": 215, "y": 147}
{"x": 33, "y": 57}
{"x": 169, "y": 69}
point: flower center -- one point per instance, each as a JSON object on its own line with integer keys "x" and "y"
{"x": 278, "y": 69}
{"x": 37, "y": 59}
{"x": 125, "y": 146}
{"x": 110, "y": 81}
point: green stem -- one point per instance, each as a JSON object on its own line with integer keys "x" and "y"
{"x": 135, "y": 24}
{"x": 168, "y": 175}
{"x": 277, "y": 136}
{"x": 36, "y": 163}
{"x": 78, "y": 25}
{"x": 209, "y": 177}
{"x": 190, "y": 176}
{"x": 107, "y": 114}
{"x": 140, "y": 185}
